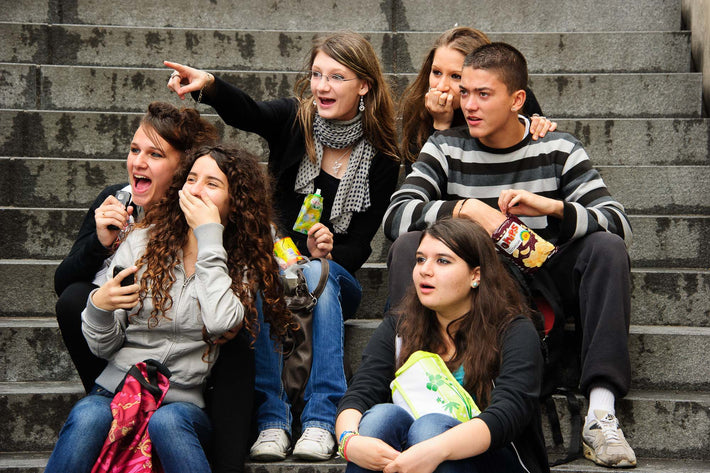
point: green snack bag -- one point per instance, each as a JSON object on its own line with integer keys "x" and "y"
{"x": 310, "y": 212}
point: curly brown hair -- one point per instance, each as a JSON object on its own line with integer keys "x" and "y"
{"x": 247, "y": 239}
{"x": 477, "y": 335}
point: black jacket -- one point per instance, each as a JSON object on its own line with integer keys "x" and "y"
{"x": 513, "y": 414}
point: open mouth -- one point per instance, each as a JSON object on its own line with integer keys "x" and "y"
{"x": 326, "y": 102}
{"x": 141, "y": 184}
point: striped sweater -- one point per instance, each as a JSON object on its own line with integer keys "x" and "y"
{"x": 453, "y": 166}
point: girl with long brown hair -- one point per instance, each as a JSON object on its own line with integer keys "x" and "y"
{"x": 431, "y": 102}
{"x": 202, "y": 257}
{"x": 337, "y": 135}
{"x": 465, "y": 308}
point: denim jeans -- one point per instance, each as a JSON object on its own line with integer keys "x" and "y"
{"x": 326, "y": 383}
{"x": 179, "y": 432}
{"x": 399, "y": 429}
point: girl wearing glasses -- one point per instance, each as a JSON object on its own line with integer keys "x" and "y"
{"x": 337, "y": 135}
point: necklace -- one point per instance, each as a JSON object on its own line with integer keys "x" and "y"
{"x": 337, "y": 164}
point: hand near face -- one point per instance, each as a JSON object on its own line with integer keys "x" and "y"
{"x": 320, "y": 241}
{"x": 539, "y": 126}
{"x": 522, "y": 202}
{"x": 370, "y": 453}
{"x": 110, "y": 212}
{"x": 188, "y": 80}
{"x": 198, "y": 211}
{"x": 440, "y": 106}
{"x": 112, "y": 295}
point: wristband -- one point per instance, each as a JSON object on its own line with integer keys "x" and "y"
{"x": 345, "y": 432}
{"x": 344, "y": 439}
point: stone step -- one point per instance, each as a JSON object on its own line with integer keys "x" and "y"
{"x": 31, "y": 462}
{"x": 657, "y": 424}
{"x": 659, "y": 296}
{"x": 106, "y": 135}
{"x": 659, "y": 240}
{"x": 367, "y": 15}
{"x": 128, "y": 89}
{"x": 650, "y": 347}
{"x": 89, "y": 45}
{"x": 57, "y": 182}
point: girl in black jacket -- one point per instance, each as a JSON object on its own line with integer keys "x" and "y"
{"x": 464, "y": 307}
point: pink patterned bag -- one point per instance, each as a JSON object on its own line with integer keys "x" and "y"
{"x": 128, "y": 448}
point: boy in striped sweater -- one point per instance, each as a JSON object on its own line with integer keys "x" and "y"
{"x": 492, "y": 172}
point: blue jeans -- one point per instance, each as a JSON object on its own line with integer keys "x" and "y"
{"x": 179, "y": 432}
{"x": 399, "y": 429}
{"x": 326, "y": 383}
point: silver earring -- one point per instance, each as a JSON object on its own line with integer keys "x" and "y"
{"x": 314, "y": 102}
{"x": 362, "y": 104}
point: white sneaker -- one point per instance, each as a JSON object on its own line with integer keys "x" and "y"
{"x": 604, "y": 442}
{"x": 314, "y": 444}
{"x": 271, "y": 445}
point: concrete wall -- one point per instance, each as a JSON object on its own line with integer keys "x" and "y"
{"x": 696, "y": 17}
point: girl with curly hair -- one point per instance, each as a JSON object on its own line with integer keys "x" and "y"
{"x": 202, "y": 258}
{"x": 465, "y": 308}
{"x": 337, "y": 135}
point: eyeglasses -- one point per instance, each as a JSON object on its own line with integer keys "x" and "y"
{"x": 316, "y": 76}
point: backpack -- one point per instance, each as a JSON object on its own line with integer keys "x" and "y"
{"x": 561, "y": 372}
{"x": 127, "y": 448}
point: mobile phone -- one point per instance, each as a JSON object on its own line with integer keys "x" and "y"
{"x": 128, "y": 280}
{"x": 124, "y": 197}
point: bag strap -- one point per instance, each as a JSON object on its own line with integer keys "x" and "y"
{"x": 575, "y": 410}
{"x": 324, "y": 271}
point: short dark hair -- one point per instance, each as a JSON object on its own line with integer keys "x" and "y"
{"x": 504, "y": 60}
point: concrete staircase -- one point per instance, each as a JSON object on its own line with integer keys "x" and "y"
{"x": 75, "y": 76}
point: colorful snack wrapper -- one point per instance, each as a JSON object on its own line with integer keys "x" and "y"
{"x": 524, "y": 247}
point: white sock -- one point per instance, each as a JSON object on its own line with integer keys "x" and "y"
{"x": 600, "y": 399}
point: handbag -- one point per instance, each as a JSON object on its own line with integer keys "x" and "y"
{"x": 424, "y": 385}
{"x": 128, "y": 448}
{"x": 298, "y": 342}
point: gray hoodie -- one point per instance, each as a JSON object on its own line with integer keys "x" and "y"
{"x": 205, "y": 299}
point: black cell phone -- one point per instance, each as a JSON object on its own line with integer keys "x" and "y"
{"x": 128, "y": 280}
{"x": 124, "y": 197}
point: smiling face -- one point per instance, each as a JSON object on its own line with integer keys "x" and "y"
{"x": 207, "y": 179}
{"x": 445, "y": 74}
{"x": 490, "y": 110}
{"x": 336, "y": 100}
{"x": 151, "y": 164}
{"x": 443, "y": 280}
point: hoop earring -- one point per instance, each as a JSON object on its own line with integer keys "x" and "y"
{"x": 362, "y": 104}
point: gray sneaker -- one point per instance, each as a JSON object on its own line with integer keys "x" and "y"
{"x": 314, "y": 444}
{"x": 604, "y": 442}
{"x": 271, "y": 445}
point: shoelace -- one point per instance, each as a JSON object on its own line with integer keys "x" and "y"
{"x": 317, "y": 435}
{"x": 610, "y": 429}
{"x": 270, "y": 435}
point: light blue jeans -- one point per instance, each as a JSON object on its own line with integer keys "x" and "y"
{"x": 399, "y": 429}
{"x": 179, "y": 432}
{"x": 326, "y": 383}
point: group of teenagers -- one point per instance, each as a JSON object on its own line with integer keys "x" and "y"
{"x": 207, "y": 299}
